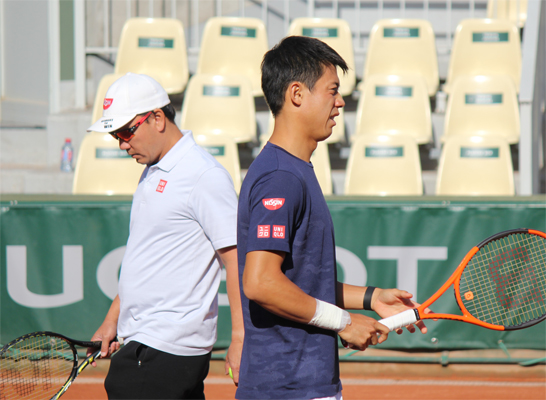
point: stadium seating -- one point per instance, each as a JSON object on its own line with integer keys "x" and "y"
{"x": 513, "y": 10}
{"x": 155, "y": 47}
{"x": 224, "y": 149}
{"x": 483, "y": 105}
{"x": 384, "y": 165}
{"x": 475, "y": 166}
{"x": 103, "y": 168}
{"x": 485, "y": 47}
{"x": 321, "y": 164}
{"x": 233, "y": 45}
{"x": 403, "y": 47}
{"x": 337, "y": 34}
{"x": 215, "y": 104}
{"x": 394, "y": 105}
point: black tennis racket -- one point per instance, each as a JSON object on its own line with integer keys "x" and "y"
{"x": 41, "y": 365}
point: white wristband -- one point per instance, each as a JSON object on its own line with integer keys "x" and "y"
{"x": 328, "y": 316}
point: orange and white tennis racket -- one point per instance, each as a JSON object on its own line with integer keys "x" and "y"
{"x": 500, "y": 284}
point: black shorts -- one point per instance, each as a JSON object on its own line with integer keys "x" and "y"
{"x": 141, "y": 372}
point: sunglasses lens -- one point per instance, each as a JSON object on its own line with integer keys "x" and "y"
{"x": 125, "y": 134}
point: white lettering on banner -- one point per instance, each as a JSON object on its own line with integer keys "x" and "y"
{"x": 72, "y": 278}
{"x": 223, "y": 299}
{"x": 353, "y": 268}
{"x": 108, "y": 272}
{"x": 354, "y": 272}
{"x": 407, "y": 258}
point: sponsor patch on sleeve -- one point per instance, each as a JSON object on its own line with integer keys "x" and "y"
{"x": 278, "y": 231}
{"x": 263, "y": 231}
{"x": 273, "y": 204}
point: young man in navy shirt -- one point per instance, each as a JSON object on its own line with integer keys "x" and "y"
{"x": 293, "y": 306}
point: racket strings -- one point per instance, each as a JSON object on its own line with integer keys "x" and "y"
{"x": 35, "y": 368}
{"x": 505, "y": 282}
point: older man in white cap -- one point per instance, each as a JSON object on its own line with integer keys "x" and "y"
{"x": 183, "y": 217}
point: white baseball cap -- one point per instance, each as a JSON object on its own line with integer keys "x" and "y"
{"x": 130, "y": 95}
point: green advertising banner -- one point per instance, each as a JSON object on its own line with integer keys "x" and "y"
{"x": 61, "y": 258}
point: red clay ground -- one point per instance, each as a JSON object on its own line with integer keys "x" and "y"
{"x": 373, "y": 381}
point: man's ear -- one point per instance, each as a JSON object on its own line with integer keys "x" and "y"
{"x": 160, "y": 119}
{"x": 295, "y": 93}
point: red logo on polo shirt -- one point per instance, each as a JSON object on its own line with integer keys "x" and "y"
{"x": 107, "y": 103}
{"x": 263, "y": 231}
{"x": 278, "y": 231}
{"x": 273, "y": 204}
{"x": 161, "y": 186}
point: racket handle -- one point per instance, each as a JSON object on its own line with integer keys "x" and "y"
{"x": 405, "y": 318}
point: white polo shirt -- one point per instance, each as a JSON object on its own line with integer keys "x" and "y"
{"x": 184, "y": 209}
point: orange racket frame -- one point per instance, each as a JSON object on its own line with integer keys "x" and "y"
{"x": 455, "y": 280}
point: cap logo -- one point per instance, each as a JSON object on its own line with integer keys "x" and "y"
{"x": 107, "y": 103}
{"x": 273, "y": 204}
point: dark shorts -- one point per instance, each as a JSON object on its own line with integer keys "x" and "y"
{"x": 141, "y": 372}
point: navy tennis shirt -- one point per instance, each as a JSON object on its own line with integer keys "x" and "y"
{"x": 282, "y": 208}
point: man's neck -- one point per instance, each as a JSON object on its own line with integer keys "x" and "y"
{"x": 292, "y": 138}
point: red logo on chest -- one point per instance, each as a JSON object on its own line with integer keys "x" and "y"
{"x": 273, "y": 204}
{"x": 161, "y": 186}
{"x": 263, "y": 231}
{"x": 107, "y": 103}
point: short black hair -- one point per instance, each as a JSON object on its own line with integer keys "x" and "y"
{"x": 169, "y": 111}
{"x": 295, "y": 59}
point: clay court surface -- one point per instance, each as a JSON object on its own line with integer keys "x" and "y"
{"x": 362, "y": 380}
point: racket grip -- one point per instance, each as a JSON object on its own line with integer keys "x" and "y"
{"x": 405, "y": 318}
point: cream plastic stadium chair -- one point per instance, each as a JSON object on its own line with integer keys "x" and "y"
{"x": 337, "y": 34}
{"x": 103, "y": 168}
{"x": 513, "y": 10}
{"x": 485, "y": 47}
{"x": 155, "y": 47}
{"x": 475, "y": 166}
{"x": 483, "y": 105}
{"x": 338, "y": 132}
{"x": 321, "y": 164}
{"x": 234, "y": 46}
{"x": 394, "y": 105}
{"x": 105, "y": 82}
{"x": 220, "y": 105}
{"x": 384, "y": 165}
{"x": 403, "y": 47}
{"x": 225, "y": 150}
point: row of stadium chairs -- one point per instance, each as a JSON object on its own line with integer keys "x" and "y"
{"x": 390, "y": 104}
{"x": 382, "y": 165}
{"x": 378, "y": 165}
{"x": 230, "y": 45}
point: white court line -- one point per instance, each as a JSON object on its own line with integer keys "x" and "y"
{"x": 370, "y": 382}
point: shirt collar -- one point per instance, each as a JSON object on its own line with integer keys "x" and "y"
{"x": 177, "y": 152}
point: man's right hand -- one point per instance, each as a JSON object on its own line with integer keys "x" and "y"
{"x": 106, "y": 333}
{"x": 363, "y": 331}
